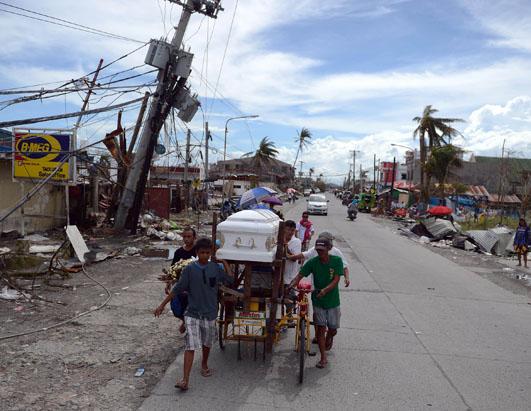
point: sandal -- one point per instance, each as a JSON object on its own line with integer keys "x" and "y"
{"x": 207, "y": 373}
{"x": 321, "y": 364}
{"x": 181, "y": 385}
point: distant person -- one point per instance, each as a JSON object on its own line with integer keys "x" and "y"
{"x": 521, "y": 242}
{"x": 201, "y": 280}
{"x": 305, "y": 230}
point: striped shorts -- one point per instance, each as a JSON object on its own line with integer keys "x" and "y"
{"x": 199, "y": 333}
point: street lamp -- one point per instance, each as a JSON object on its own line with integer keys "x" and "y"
{"x": 414, "y": 150}
{"x": 225, "y": 147}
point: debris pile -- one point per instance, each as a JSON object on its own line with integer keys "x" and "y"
{"x": 443, "y": 233}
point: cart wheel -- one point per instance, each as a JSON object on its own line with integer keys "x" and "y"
{"x": 221, "y": 325}
{"x": 302, "y": 348}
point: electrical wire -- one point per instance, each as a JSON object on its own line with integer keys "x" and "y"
{"x": 69, "y": 320}
{"x": 224, "y": 53}
{"x": 69, "y": 24}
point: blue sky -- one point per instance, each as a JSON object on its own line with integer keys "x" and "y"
{"x": 354, "y": 72}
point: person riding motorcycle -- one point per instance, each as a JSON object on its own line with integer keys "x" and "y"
{"x": 353, "y": 209}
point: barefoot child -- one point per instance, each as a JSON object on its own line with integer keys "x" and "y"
{"x": 201, "y": 280}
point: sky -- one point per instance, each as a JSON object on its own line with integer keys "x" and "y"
{"x": 354, "y": 72}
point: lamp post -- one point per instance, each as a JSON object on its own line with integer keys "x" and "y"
{"x": 414, "y": 150}
{"x": 225, "y": 148}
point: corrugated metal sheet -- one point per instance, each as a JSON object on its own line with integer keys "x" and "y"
{"x": 439, "y": 228}
{"x": 505, "y": 237}
{"x": 484, "y": 238}
{"x": 477, "y": 191}
{"x": 505, "y": 199}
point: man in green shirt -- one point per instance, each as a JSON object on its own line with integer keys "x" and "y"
{"x": 326, "y": 270}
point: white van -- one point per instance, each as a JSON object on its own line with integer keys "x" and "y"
{"x": 317, "y": 204}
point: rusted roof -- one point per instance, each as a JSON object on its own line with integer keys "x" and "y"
{"x": 505, "y": 199}
{"x": 477, "y": 191}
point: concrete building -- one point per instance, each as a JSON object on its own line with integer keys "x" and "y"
{"x": 277, "y": 172}
{"x": 44, "y": 211}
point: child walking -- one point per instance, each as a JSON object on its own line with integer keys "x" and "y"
{"x": 201, "y": 280}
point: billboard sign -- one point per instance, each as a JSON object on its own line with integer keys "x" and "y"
{"x": 37, "y": 153}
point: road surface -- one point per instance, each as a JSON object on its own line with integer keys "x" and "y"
{"x": 418, "y": 332}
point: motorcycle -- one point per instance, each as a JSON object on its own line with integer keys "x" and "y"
{"x": 227, "y": 209}
{"x": 352, "y": 214}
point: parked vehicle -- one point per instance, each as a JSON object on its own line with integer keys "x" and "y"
{"x": 317, "y": 204}
{"x": 307, "y": 192}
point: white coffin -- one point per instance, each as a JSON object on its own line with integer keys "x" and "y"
{"x": 249, "y": 235}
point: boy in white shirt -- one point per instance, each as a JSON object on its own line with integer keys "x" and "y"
{"x": 292, "y": 267}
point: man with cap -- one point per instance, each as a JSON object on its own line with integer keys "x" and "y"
{"x": 312, "y": 252}
{"x": 326, "y": 270}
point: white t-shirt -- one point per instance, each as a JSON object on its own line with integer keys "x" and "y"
{"x": 292, "y": 268}
{"x": 301, "y": 230}
{"x": 312, "y": 252}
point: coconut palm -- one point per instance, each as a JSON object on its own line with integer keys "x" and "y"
{"x": 303, "y": 140}
{"x": 440, "y": 163}
{"x": 263, "y": 155}
{"x": 439, "y": 133}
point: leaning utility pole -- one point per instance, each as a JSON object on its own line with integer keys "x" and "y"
{"x": 173, "y": 63}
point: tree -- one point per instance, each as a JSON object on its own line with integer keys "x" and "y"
{"x": 311, "y": 171}
{"x": 439, "y": 133}
{"x": 440, "y": 162}
{"x": 303, "y": 140}
{"x": 263, "y": 155}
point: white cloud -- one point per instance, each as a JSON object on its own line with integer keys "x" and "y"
{"x": 491, "y": 124}
{"x": 509, "y": 20}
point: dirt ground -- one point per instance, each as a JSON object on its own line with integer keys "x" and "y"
{"x": 89, "y": 363}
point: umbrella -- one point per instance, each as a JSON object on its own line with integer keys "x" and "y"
{"x": 272, "y": 200}
{"x": 440, "y": 210}
{"x": 254, "y": 196}
{"x": 259, "y": 207}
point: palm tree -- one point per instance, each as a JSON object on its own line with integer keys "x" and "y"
{"x": 441, "y": 160}
{"x": 263, "y": 155}
{"x": 439, "y": 133}
{"x": 303, "y": 140}
{"x": 311, "y": 171}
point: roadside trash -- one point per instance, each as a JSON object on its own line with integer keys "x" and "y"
{"x": 508, "y": 269}
{"x": 486, "y": 240}
{"x": 439, "y": 228}
{"x": 424, "y": 240}
{"x": 470, "y": 246}
{"x": 139, "y": 372}
{"x": 131, "y": 250}
{"x": 77, "y": 241}
{"x": 9, "y": 294}
{"x": 34, "y": 249}
{"x": 171, "y": 236}
{"x": 4, "y": 250}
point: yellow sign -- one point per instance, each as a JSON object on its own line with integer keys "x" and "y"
{"x": 37, "y": 155}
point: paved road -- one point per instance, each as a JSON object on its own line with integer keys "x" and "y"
{"x": 418, "y": 332}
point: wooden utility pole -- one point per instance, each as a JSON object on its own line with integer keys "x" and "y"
{"x": 186, "y": 165}
{"x": 207, "y": 137}
{"x": 167, "y": 92}
{"x": 392, "y": 185}
{"x": 138, "y": 124}
{"x": 500, "y": 185}
{"x": 94, "y": 178}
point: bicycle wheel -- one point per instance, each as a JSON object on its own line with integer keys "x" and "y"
{"x": 221, "y": 325}
{"x": 302, "y": 348}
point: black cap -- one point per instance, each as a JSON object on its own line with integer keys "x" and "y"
{"x": 323, "y": 244}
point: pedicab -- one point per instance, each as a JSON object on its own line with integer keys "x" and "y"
{"x": 252, "y": 308}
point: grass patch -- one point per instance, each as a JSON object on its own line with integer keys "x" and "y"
{"x": 489, "y": 222}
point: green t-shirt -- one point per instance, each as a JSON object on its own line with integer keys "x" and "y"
{"x": 323, "y": 274}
